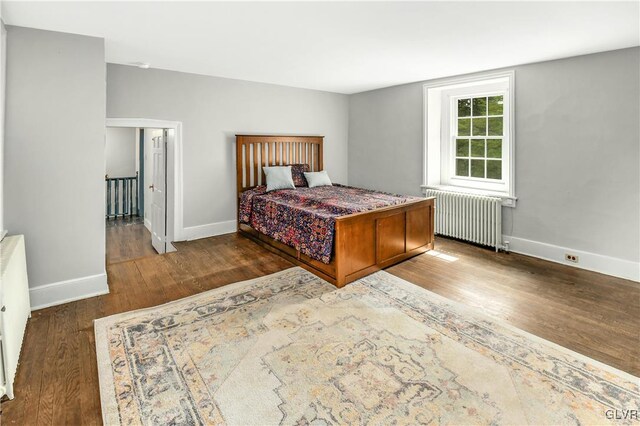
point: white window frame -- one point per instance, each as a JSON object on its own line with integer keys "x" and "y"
{"x": 439, "y": 131}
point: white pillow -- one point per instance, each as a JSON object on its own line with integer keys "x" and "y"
{"x": 317, "y": 179}
{"x": 278, "y": 177}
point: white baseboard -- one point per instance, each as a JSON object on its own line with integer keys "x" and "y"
{"x": 209, "y": 230}
{"x": 591, "y": 261}
{"x": 147, "y": 224}
{"x": 68, "y": 291}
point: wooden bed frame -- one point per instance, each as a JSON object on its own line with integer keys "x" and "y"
{"x": 364, "y": 242}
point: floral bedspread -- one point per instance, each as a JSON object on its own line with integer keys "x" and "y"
{"x": 304, "y": 218}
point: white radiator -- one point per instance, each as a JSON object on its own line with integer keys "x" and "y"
{"x": 469, "y": 217}
{"x": 14, "y": 308}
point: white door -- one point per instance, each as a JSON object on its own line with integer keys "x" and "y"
{"x": 159, "y": 193}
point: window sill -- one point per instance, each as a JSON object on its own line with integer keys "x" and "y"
{"x": 507, "y": 200}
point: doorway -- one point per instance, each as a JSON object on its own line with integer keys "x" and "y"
{"x": 136, "y": 192}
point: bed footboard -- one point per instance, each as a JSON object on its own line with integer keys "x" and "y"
{"x": 365, "y": 242}
{"x": 370, "y": 241}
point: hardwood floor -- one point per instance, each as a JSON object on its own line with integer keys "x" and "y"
{"x": 594, "y": 314}
{"x": 590, "y": 313}
{"x": 127, "y": 239}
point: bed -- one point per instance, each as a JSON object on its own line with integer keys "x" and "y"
{"x": 339, "y": 233}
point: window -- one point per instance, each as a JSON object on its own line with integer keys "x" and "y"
{"x": 478, "y": 137}
{"x": 469, "y": 136}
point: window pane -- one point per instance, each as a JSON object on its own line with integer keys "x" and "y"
{"x": 479, "y": 106}
{"x": 479, "y": 127}
{"x": 477, "y": 168}
{"x": 495, "y": 105}
{"x": 462, "y": 147}
{"x": 464, "y": 126}
{"x": 494, "y": 169}
{"x": 495, "y": 126}
{"x": 494, "y": 148}
{"x": 477, "y": 148}
{"x": 462, "y": 167}
{"x": 464, "y": 107}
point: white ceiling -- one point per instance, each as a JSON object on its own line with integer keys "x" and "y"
{"x": 344, "y": 47}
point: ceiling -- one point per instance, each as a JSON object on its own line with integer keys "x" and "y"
{"x": 343, "y": 47}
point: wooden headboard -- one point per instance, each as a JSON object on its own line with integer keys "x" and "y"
{"x": 256, "y": 151}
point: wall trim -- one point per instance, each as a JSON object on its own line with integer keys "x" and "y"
{"x": 209, "y": 230}
{"x": 61, "y": 292}
{"x": 590, "y": 261}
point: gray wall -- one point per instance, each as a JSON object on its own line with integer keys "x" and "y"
{"x": 54, "y": 152}
{"x": 212, "y": 111}
{"x": 121, "y": 152}
{"x": 577, "y": 150}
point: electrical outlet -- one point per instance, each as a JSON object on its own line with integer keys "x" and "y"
{"x": 571, "y": 258}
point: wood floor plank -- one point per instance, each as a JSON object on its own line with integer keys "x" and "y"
{"x": 89, "y": 399}
{"x": 57, "y": 382}
{"x": 30, "y": 371}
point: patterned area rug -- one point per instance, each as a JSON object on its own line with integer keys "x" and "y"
{"x": 290, "y": 348}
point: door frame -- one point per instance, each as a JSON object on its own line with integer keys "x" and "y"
{"x": 173, "y": 176}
